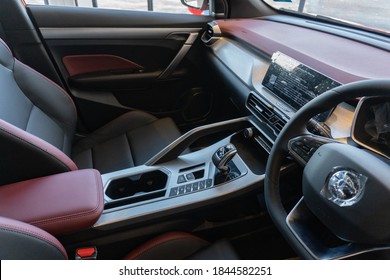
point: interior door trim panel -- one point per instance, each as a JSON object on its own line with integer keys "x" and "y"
{"x": 82, "y": 64}
{"x": 50, "y": 33}
{"x": 111, "y": 82}
{"x": 166, "y": 46}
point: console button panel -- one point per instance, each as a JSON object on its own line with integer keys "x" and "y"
{"x": 191, "y": 187}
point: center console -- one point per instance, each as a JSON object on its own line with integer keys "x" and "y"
{"x": 177, "y": 180}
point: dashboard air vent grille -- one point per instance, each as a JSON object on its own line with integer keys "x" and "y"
{"x": 212, "y": 33}
{"x": 265, "y": 114}
{"x": 209, "y": 32}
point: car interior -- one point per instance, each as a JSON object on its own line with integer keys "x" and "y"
{"x": 241, "y": 131}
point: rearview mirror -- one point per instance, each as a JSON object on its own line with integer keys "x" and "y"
{"x": 196, "y": 4}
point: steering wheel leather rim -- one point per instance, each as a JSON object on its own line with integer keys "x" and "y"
{"x": 297, "y": 126}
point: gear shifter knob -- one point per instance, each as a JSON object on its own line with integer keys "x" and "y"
{"x": 222, "y": 156}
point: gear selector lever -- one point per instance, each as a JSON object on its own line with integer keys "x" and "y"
{"x": 222, "y": 157}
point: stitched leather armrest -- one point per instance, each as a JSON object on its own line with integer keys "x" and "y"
{"x": 61, "y": 203}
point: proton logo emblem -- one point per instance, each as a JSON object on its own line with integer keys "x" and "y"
{"x": 344, "y": 187}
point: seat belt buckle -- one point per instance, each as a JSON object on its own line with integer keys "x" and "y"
{"x": 86, "y": 253}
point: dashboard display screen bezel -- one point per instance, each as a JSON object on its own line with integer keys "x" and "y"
{"x": 295, "y": 83}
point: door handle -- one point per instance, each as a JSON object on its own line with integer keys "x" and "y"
{"x": 191, "y": 37}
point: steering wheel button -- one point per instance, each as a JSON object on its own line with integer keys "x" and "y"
{"x": 209, "y": 183}
{"x": 306, "y": 148}
{"x": 202, "y": 185}
{"x": 294, "y": 147}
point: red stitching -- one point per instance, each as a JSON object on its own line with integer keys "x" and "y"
{"x": 75, "y": 216}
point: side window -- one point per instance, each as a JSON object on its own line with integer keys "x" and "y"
{"x": 166, "y": 6}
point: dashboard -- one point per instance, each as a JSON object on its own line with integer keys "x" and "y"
{"x": 273, "y": 66}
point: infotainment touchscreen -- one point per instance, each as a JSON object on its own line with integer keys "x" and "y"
{"x": 293, "y": 82}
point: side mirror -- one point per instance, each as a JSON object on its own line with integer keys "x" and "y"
{"x": 196, "y": 5}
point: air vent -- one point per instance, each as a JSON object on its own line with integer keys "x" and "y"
{"x": 209, "y": 32}
{"x": 212, "y": 33}
{"x": 265, "y": 114}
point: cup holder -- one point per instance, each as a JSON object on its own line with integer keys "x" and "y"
{"x": 137, "y": 185}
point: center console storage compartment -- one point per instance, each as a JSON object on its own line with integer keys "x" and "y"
{"x": 136, "y": 188}
{"x": 61, "y": 203}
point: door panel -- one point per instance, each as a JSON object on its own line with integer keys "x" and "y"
{"x": 87, "y": 64}
{"x": 115, "y": 60}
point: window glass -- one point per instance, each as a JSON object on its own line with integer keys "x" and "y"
{"x": 368, "y": 13}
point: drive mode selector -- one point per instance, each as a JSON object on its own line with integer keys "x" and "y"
{"x": 222, "y": 156}
{"x": 226, "y": 168}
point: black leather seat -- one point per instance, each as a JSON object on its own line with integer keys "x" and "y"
{"x": 21, "y": 241}
{"x": 33, "y": 108}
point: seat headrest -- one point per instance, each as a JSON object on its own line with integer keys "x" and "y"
{"x": 6, "y": 56}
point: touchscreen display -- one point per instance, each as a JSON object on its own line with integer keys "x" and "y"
{"x": 295, "y": 83}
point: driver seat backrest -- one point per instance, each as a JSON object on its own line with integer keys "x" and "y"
{"x": 32, "y": 109}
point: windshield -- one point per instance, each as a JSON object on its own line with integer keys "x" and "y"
{"x": 373, "y": 14}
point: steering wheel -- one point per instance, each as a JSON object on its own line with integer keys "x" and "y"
{"x": 346, "y": 190}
